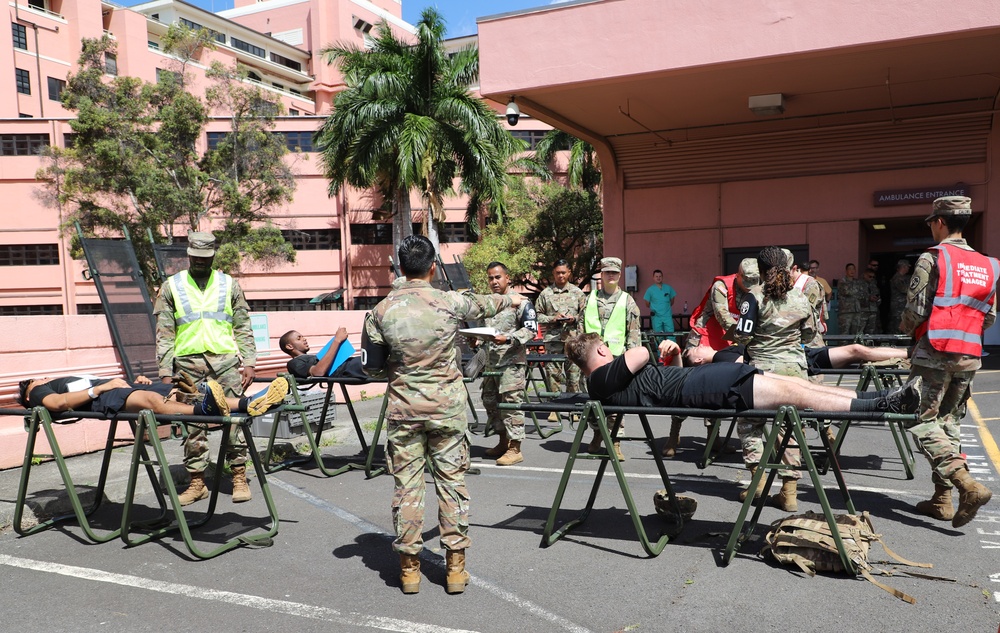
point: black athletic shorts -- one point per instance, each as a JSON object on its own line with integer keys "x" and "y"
{"x": 112, "y": 402}
{"x": 818, "y": 358}
{"x": 719, "y": 386}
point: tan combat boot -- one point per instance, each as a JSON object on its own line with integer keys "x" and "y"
{"x": 410, "y": 576}
{"x": 241, "y": 491}
{"x": 196, "y": 491}
{"x": 972, "y": 495}
{"x": 512, "y": 456}
{"x": 595, "y": 443}
{"x": 760, "y": 486}
{"x": 501, "y": 447}
{"x": 670, "y": 448}
{"x": 939, "y": 505}
{"x": 786, "y": 498}
{"x": 458, "y": 578}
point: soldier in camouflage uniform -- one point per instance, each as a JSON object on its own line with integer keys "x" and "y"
{"x": 506, "y": 365}
{"x": 558, "y": 309}
{"x": 409, "y": 338}
{"x": 202, "y": 314}
{"x": 870, "y": 300}
{"x": 948, "y": 321}
{"x": 849, "y": 301}
{"x": 816, "y": 298}
{"x": 898, "y": 285}
{"x": 785, "y": 322}
{"x": 619, "y": 333}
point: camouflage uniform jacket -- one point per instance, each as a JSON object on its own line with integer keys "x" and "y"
{"x": 166, "y": 330}
{"x": 897, "y": 293}
{"x": 919, "y": 299}
{"x": 870, "y": 297}
{"x": 849, "y": 295}
{"x": 419, "y": 324}
{"x": 817, "y": 299}
{"x": 553, "y": 301}
{"x": 605, "y": 305}
{"x": 513, "y": 352}
{"x": 783, "y": 327}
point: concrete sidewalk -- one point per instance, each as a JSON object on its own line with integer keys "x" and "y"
{"x": 47, "y": 495}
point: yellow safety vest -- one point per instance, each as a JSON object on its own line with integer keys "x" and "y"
{"x": 613, "y": 332}
{"x": 204, "y": 318}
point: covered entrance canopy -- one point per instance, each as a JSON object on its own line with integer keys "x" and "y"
{"x": 905, "y": 92}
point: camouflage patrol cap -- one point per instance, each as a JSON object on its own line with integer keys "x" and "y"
{"x": 903, "y": 262}
{"x": 950, "y": 205}
{"x": 750, "y": 272}
{"x": 201, "y": 244}
{"x": 611, "y": 263}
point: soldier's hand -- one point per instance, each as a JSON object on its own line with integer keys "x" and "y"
{"x": 516, "y": 300}
{"x": 500, "y": 339}
{"x": 248, "y": 375}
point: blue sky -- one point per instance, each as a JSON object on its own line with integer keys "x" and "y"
{"x": 460, "y": 15}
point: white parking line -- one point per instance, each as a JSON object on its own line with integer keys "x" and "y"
{"x": 243, "y": 600}
{"x": 371, "y": 528}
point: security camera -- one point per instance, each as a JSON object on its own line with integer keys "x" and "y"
{"x": 513, "y": 113}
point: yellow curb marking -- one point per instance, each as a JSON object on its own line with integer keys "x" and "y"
{"x": 983, "y": 393}
{"x": 989, "y": 444}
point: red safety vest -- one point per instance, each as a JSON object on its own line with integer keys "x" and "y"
{"x": 713, "y": 329}
{"x": 965, "y": 293}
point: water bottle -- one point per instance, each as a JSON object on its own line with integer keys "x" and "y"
{"x": 685, "y": 307}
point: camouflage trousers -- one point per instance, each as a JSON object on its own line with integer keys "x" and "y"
{"x": 872, "y": 324}
{"x": 851, "y": 322}
{"x": 196, "y": 449}
{"x": 942, "y": 406}
{"x": 507, "y": 387}
{"x": 894, "y": 320}
{"x": 561, "y": 376}
{"x": 443, "y": 445}
{"x": 751, "y": 431}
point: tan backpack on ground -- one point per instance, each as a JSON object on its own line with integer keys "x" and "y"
{"x": 805, "y": 540}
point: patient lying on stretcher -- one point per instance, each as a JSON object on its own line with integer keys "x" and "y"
{"x": 633, "y": 380}
{"x": 110, "y": 396}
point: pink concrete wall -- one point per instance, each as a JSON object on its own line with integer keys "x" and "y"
{"x": 674, "y": 228}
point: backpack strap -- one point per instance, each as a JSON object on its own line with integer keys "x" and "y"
{"x": 905, "y": 597}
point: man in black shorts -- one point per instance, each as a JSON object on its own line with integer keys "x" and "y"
{"x": 633, "y": 380}
{"x": 306, "y": 365}
{"x": 111, "y": 396}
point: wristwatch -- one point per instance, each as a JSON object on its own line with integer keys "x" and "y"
{"x": 90, "y": 392}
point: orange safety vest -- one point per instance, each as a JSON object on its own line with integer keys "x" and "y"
{"x": 713, "y": 329}
{"x": 966, "y": 292}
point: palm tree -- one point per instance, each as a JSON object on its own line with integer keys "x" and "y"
{"x": 408, "y": 121}
{"x": 583, "y": 170}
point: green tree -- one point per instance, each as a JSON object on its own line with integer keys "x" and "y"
{"x": 408, "y": 122}
{"x": 583, "y": 169}
{"x": 546, "y": 222}
{"x": 133, "y": 163}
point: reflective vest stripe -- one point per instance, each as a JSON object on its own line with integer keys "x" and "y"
{"x": 197, "y": 316}
{"x": 613, "y": 332}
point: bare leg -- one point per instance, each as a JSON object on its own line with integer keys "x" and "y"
{"x": 771, "y": 391}
{"x": 139, "y": 400}
{"x": 818, "y": 388}
{"x": 845, "y": 355}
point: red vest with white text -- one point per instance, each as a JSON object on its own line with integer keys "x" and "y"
{"x": 966, "y": 291}
{"x": 712, "y": 332}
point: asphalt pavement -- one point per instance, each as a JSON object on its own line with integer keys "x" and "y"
{"x": 331, "y": 567}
